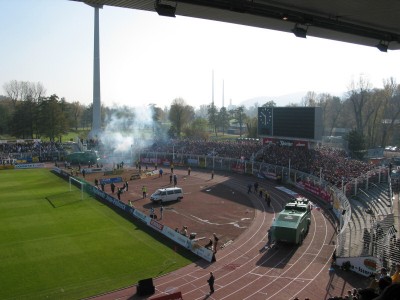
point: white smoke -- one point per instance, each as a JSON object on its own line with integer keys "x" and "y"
{"x": 127, "y": 129}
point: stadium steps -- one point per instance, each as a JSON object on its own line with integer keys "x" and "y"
{"x": 354, "y": 235}
{"x": 383, "y": 190}
{"x": 375, "y": 199}
{"x": 373, "y": 203}
{"x": 380, "y": 201}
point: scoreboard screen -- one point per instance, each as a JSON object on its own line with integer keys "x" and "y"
{"x": 290, "y": 122}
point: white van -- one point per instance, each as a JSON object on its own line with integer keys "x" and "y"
{"x": 168, "y": 194}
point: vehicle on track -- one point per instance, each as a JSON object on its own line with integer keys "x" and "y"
{"x": 167, "y": 194}
{"x": 293, "y": 223}
{"x": 84, "y": 157}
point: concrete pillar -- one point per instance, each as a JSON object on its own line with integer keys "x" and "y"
{"x": 96, "y": 125}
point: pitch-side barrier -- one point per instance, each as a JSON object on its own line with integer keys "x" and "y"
{"x": 178, "y": 238}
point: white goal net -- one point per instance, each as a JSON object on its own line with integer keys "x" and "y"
{"x": 75, "y": 183}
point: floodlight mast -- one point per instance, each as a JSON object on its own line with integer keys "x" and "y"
{"x": 96, "y": 123}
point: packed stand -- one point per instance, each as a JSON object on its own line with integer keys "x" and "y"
{"x": 241, "y": 149}
{"x": 333, "y": 164}
{"x": 46, "y": 151}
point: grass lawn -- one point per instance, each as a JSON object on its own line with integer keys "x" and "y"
{"x": 55, "y": 246}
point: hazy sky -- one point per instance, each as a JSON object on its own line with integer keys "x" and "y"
{"x": 146, "y": 58}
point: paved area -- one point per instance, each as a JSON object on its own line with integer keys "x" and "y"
{"x": 243, "y": 269}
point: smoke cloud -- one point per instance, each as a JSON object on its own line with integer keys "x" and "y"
{"x": 127, "y": 130}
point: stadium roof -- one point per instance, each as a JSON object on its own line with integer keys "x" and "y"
{"x": 364, "y": 22}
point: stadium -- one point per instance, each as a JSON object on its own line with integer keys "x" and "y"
{"x": 224, "y": 194}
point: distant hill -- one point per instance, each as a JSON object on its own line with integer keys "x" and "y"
{"x": 283, "y": 100}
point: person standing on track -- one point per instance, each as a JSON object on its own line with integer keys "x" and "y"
{"x": 161, "y": 212}
{"x": 210, "y": 281}
{"x": 270, "y": 239}
{"x": 216, "y": 239}
{"x": 144, "y": 191}
{"x": 152, "y": 213}
{"x": 249, "y": 186}
{"x": 256, "y": 187}
{"x": 268, "y": 199}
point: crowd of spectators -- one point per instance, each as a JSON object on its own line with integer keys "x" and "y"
{"x": 45, "y": 151}
{"x": 333, "y": 165}
{"x": 238, "y": 149}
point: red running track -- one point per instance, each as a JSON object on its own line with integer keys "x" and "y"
{"x": 244, "y": 270}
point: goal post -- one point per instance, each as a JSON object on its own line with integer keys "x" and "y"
{"x": 78, "y": 183}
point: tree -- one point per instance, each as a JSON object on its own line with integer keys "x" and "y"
{"x": 6, "y": 111}
{"x": 240, "y": 117}
{"x": 223, "y": 119}
{"x": 356, "y": 143}
{"x": 270, "y": 103}
{"x": 309, "y": 100}
{"x": 359, "y": 97}
{"x": 52, "y": 121}
{"x": 333, "y": 108}
{"x": 24, "y": 90}
{"x": 87, "y": 117}
{"x": 374, "y": 125}
{"x": 23, "y": 119}
{"x": 202, "y": 111}
{"x": 198, "y": 129}
{"x": 212, "y": 113}
{"x": 13, "y": 91}
{"x": 180, "y": 115}
{"x": 252, "y": 111}
{"x": 391, "y": 106}
{"x": 76, "y": 112}
{"x": 251, "y": 125}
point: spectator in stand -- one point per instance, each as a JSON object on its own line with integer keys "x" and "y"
{"x": 396, "y": 275}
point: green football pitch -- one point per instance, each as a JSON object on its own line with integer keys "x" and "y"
{"x": 54, "y": 245}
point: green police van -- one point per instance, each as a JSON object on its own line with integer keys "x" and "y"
{"x": 293, "y": 223}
